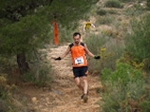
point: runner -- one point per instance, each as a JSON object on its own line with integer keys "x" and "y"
{"x": 88, "y": 26}
{"x": 78, "y": 51}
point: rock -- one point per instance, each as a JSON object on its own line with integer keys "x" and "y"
{"x": 34, "y": 100}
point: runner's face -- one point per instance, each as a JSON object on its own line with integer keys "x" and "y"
{"x": 77, "y": 39}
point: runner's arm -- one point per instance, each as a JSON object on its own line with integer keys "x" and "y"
{"x": 84, "y": 27}
{"x": 93, "y": 25}
{"x": 88, "y": 52}
{"x": 66, "y": 53}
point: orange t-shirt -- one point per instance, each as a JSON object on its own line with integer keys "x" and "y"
{"x": 78, "y": 55}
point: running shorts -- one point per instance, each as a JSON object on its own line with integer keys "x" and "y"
{"x": 80, "y": 71}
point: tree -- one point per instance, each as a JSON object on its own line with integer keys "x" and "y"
{"x": 20, "y": 29}
{"x": 25, "y": 24}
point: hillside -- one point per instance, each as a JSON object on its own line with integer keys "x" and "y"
{"x": 62, "y": 95}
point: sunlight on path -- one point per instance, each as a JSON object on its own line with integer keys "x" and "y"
{"x": 64, "y": 95}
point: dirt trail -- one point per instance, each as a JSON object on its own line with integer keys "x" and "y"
{"x": 64, "y": 95}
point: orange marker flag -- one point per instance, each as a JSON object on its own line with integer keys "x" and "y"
{"x": 56, "y": 33}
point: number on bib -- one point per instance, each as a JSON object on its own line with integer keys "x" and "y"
{"x": 79, "y": 60}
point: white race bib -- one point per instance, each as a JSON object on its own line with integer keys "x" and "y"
{"x": 79, "y": 60}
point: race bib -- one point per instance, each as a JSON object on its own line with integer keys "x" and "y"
{"x": 79, "y": 60}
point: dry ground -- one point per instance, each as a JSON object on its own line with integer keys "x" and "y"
{"x": 64, "y": 95}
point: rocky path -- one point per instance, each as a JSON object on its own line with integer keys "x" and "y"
{"x": 64, "y": 95}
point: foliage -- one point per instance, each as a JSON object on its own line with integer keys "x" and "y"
{"x": 138, "y": 42}
{"x": 3, "y": 87}
{"x": 145, "y": 105}
{"x": 22, "y": 37}
{"x": 41, "y": 74}
{"x": 127, "y": 0}
{"x": 111, "y": 54}
{"x": 148, "y": 4}
{"x": 106, "y": 19}
{"x": 128, "y": 58}
{"x": 28, "y": 26}
{"x": 124, "y": 89}
{"x": 69, "y": 12}
{"x": 101, "y": 12}
{"x": 6, "y": 91}
{"x": 113, "y": 3}
{"x": 107, "y": 48}
{"x": 94, "y": 43}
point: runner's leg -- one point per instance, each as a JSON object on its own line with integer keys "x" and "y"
{"x": 85, "y": 95}
{"x": 85, "y": 82}
{"x": 78, "y": 83}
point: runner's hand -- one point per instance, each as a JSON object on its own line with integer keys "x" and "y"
{"x": 59, "y": 58}
{"x": 97, "y": 57}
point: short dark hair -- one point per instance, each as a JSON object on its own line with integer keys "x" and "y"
{"x": 76, "y": 33}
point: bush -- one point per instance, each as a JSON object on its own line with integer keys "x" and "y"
{"x": 124, "y": 89}
{"x": 101, "y": 12}
{"x": 105, "y": 20}
{"x": 94, "y": 43}
{"x": 6, "y": 94}
{"x": 114, "y": 4}
{"x": 148, "y": 4}
{"x": 128, "y": 0}
{"x": 39, "y": 75}
{"x": 138, "y": 42}
{"x": 4, "y": 88}
{"x": 146, "y": 105}
{"x": 107, "y": 49}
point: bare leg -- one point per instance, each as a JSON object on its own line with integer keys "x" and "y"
{"x": 85, "y": 95}
{"x": 78, "y": 83}
{"x": 85, "y": 81}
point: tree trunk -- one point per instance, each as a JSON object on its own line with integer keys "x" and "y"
{"x": 22, "y": 64}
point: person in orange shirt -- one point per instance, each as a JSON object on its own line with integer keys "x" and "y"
{"x": 56, "y": 32}
{"x": 78, "y": 51}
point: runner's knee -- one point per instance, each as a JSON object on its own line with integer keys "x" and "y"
{"x": 85, "y": 80}
{"x": 78, "y": 84}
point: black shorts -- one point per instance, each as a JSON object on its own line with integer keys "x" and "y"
{"x": 80, "y": 71}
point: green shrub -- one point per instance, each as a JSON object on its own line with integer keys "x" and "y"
{"x": 4, "y": 87}
{"x": 108, "y": 49}
{"x": 146, "y": 105}
{"x": 105, "y": 20}
{"x": 128, "y": 0}
{"x": 138, "y": 42}
{"x": 39, "y": 75}
{"x": 124, "y": 89}
{"x": 101, "y": 12}
{"x": 114, "y": 4}
{"x": 94, "y": 43}
{"x": 6, "y": 94}
{"x": 148, "y": 4}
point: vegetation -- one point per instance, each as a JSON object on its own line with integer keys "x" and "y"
{"x": 124, "y": 69}
{"x": 8, "y": 100}
{"x": 138, "y": 43}
{"x": 124, "y": 90}
{"x": 26, "y": 25}
{"x": 114, "y": 3}
{"x": 148, "y": 4}
{"x": 26, "y": 29}
{"x": 124, "y": 45}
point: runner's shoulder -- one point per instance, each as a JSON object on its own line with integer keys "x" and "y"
{"x": 71, "y": 45}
